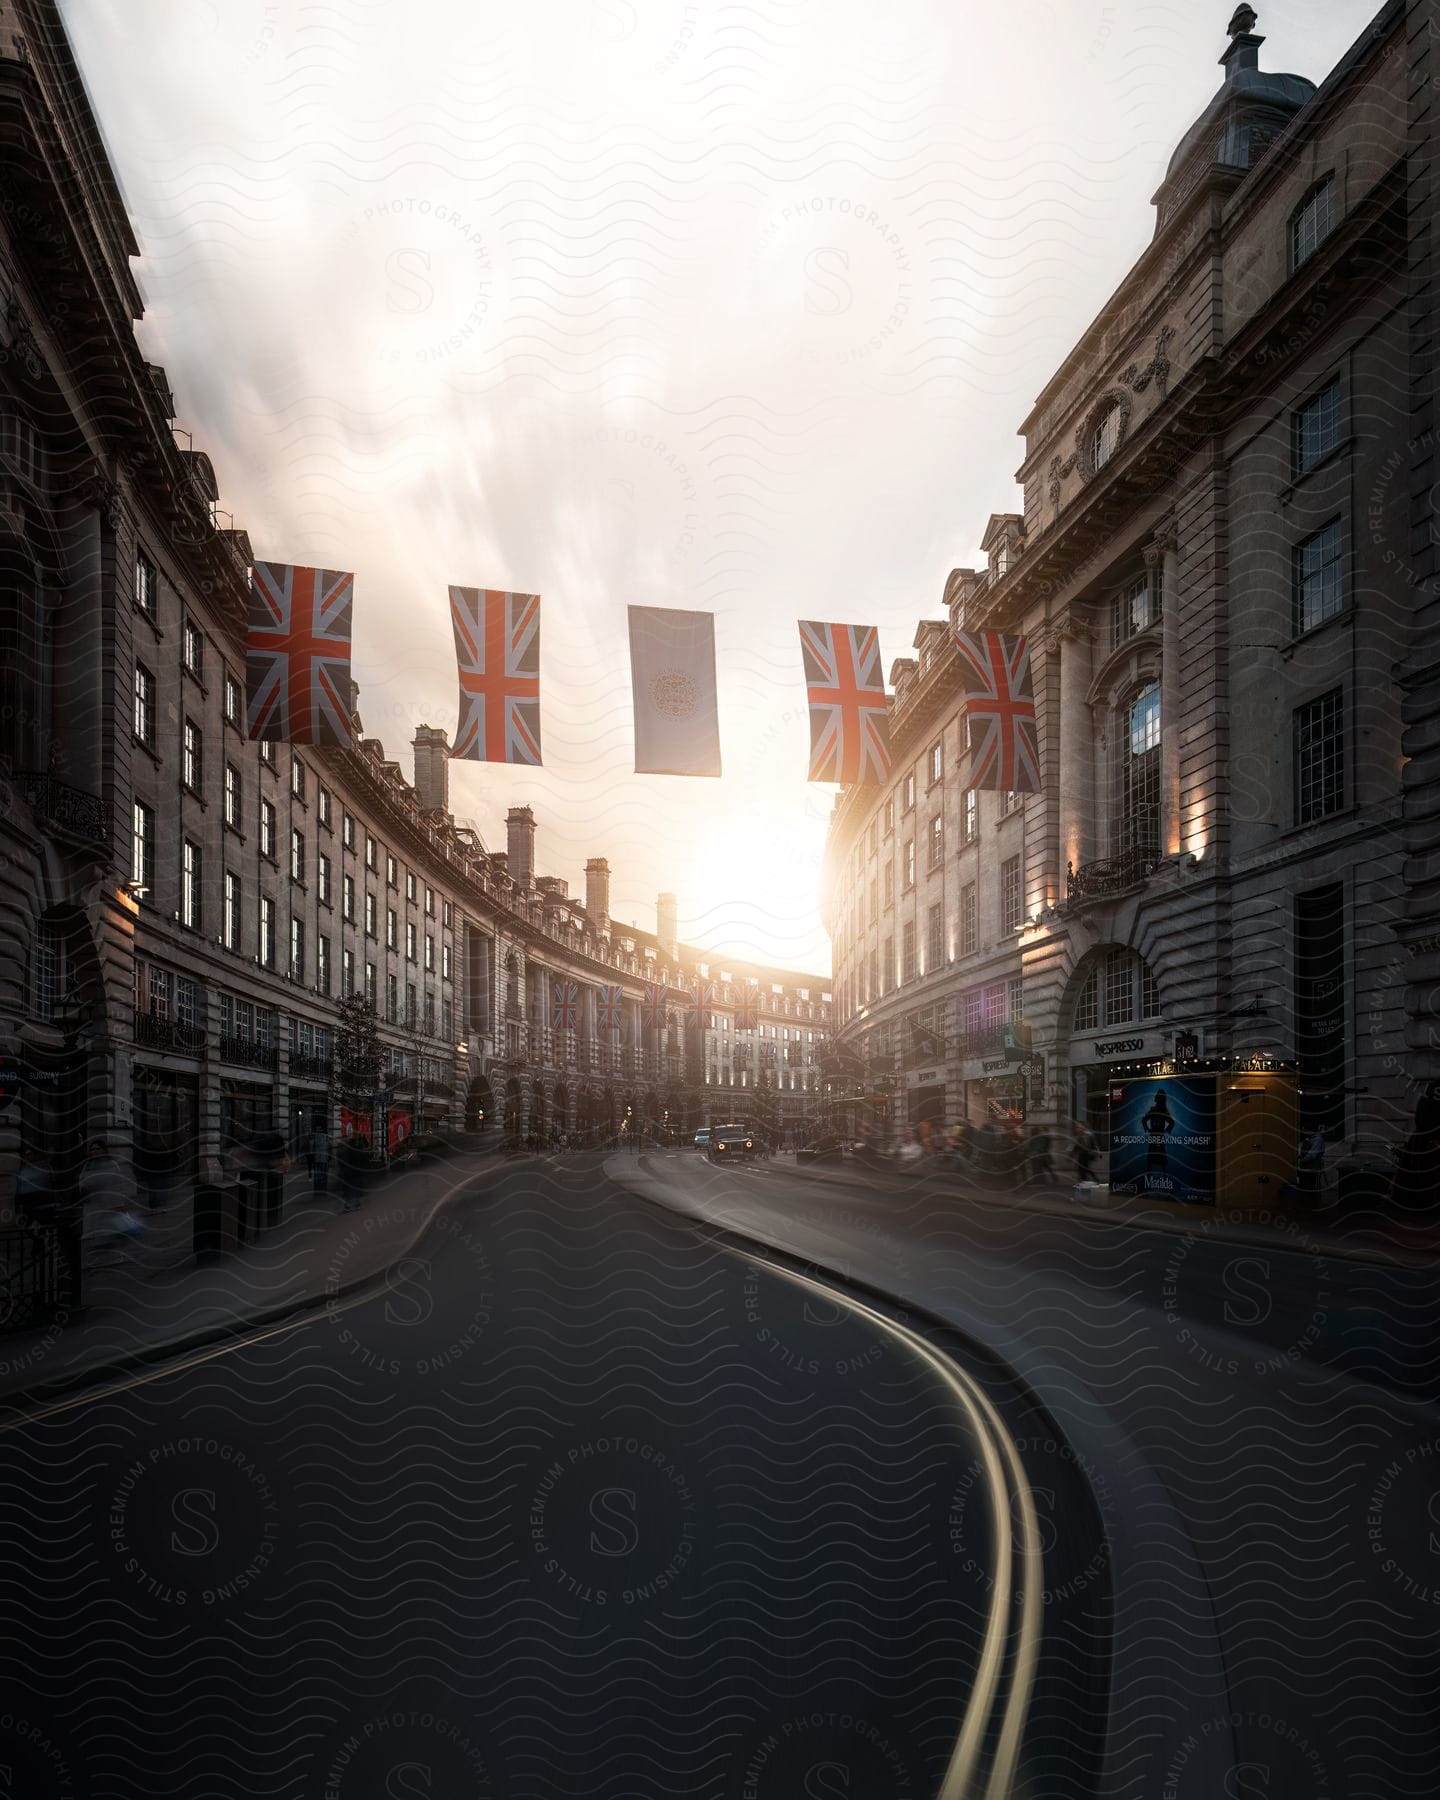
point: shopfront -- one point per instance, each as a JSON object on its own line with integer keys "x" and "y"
{"x": 1092, "y": 1060}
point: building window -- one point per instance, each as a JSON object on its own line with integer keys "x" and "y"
{"x": 347, "y": 897}
{"x": 937, "y": 762}
{"x": 907, "y": 952}
{"x": 192, "y": 649}
{"x": 447, "y": 914}
{"x": 392, "y": 998}
{"x": 267, "y": 931}
{"x": 347, "y": 831}
{"x": 429, "y": 951}
{"x": 410, "y": 941}
{"x": 347, "y": 973}
{"x": 297, "y": 855}
{"x": 142, "y": 847}
{"x": 322, "y": 879}
{"x": 1011, "y": 800}
{"x": 888, "y": 816}
{"x": 322, "y": 807}
{"x": 909, "y": 862}
{"x": 889, "y": 879}
{"x": 297, "y": 779}
{"x": 935, "y": 948}
{"x": 445, "y": 964}
{"x": 1319, "y": 593}
{"x": 267, "y": 755}
{"x": 1136, "y": 608}
{"x": 411, "y": 888}
{"x": 1105, "y": 437}
{"x": 233, "y": 801}
{"x": 322, "y": 964}
{"x": 232, "y": 701}
{"x": 1012, "y": 907}
{"x": 1149, "y": 992}
{"x": 430, "y": 901}
{"x": 887, "y": 965}
{"x": 1087, "y": 1001}
{"x": 371, "y": 915}
{"x": 1119, "y": 987}
{"x": 190, "y": 885}
{"x": 392, "y": 872}
{"x": 147, "y": 583}
{"x": 191, "y": 761}
{"x": 144, "y": 705}
{"x": 267, "y": 830}
{"x": 937, "y": 841}
{"x": 969, "y": 919}
{"x": 372, "y": 853}
{"x": 1319, "y": 758}
{"x": 874, "y": 898}
{"x": 1312, "y": 222}
{"x": 1315, "y": 428}
{"x": 874, "y": 836}
{"x": 907, "y": 793}
{"x": 372, "y": 988}
{"x": 392, "y": 928}
{"x": 297, "y": 949}
{"x": 1138, "y": 820}
{"x": 232, "y": 910}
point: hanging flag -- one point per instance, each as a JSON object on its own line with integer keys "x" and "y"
{"x": 702, "y": 998}
{"x": 672, "y": 676}
{"x": 1000, "y": 712}
{"x": 297, "y": 655}
{"x": 610, "y": 1007}
{"x": 654, "y": 1013}
{"x": 849, "y": 709}
{"x": 564, "y": 1005}
{"x": 497, "y": 645}
{"x": 747, "y": 1006}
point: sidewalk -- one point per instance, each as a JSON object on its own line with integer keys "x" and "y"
{"x": 153, "y": 1300}
{"x": 1285, "y": 1226}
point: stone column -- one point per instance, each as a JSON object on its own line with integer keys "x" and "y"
{"x": 1077, "y": 751}
{"x": 1162, "y": 556}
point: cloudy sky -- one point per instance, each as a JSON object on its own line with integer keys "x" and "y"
{"x": 734, "y": 307}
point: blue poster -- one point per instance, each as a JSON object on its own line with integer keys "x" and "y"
{"x": 1162, "y": 1137}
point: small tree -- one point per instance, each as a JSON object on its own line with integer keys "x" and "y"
{"x": 359, "y": 1057}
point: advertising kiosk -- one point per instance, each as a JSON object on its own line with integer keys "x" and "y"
{"x": 1214, "y": 1130}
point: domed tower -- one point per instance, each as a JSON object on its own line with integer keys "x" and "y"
{"x": 1239, "y": 125}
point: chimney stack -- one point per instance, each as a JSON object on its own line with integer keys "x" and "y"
{"x": 667, "y": 925}
{"x": 597, "y": 893}
{"x": 432, "y": 768}
{"x": 520, "y": 845}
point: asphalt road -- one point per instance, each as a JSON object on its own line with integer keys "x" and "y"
{"x": 580, "y": 1502}
{"x": 1256, "y": 1425}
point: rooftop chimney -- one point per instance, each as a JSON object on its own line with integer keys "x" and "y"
{"x": 432, "y": 768}
{"x": 667, "y": 925}
{"x": 520, "y": 845}
{"x": 597, "y": 893}
{"x": 1244, "y": 50}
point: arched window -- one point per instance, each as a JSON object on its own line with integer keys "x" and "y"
{"x": 1105, "y": 437}
{"x": 1137, "y": 814}
{"x": 1117, "y": 987}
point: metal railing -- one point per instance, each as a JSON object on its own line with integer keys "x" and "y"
{"x": 69, "y": 809}
{"x": 1109, "y": 874}
{"x": 246, "y": 1050}
{"x": 157, "y": 1032}
{"x": 31, "y": 1287}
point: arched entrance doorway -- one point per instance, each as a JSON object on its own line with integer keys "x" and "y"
{"x": 479, "y": 1105}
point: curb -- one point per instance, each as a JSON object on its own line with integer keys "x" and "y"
{"x": 1378, "y": 1255}
{"x": 26, "y": 1404}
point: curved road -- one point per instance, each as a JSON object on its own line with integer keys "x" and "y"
{"x": 579, "y": 1502}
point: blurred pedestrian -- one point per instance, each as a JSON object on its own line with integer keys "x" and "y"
{"x": 1038, "y": 1166}
{"x": 1087, "y": 1150}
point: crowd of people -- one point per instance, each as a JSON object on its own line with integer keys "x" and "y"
{"x": 1001, "y": 1149}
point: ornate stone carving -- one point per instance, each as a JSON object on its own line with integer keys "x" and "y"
{"x": 1137, "y": 379}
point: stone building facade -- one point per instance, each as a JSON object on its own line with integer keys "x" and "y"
{"x": 1215, "y": 484}
{"x": 182, "y": 910}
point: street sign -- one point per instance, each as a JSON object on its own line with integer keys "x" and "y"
{"x": 11, "y": 1076}
{"x": 384, "y": 1097}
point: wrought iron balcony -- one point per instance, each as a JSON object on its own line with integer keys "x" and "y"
{"x": 155, "y": 1032}
{"x": 246, "y": 1050}
{"x": 1110, "y": 874}
{"x": 68, "y": 809}
{"x": 310, "y": 1068}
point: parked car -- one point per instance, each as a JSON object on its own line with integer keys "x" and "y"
{"x": 729, "y": 1142}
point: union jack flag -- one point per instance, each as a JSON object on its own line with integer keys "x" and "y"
{"x": 849, "y": 710}
{"x": 564, "y": 1005}
{"x": 702, "y": 998}
{"x": 297, "y": 655}
{"x": 654, "y": 1013}
{"x": 999, "y": 712}
{"x": 497, "y": 645}
{"x": 610, "y": 1008}
{"x": 746, "y": 1009}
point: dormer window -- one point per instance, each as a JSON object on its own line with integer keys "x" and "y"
{"x": 1312, "y": 222}
{"x": 1105, "y": 437}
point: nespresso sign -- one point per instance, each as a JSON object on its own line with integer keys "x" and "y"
{"x": 1119, "y": 1046}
